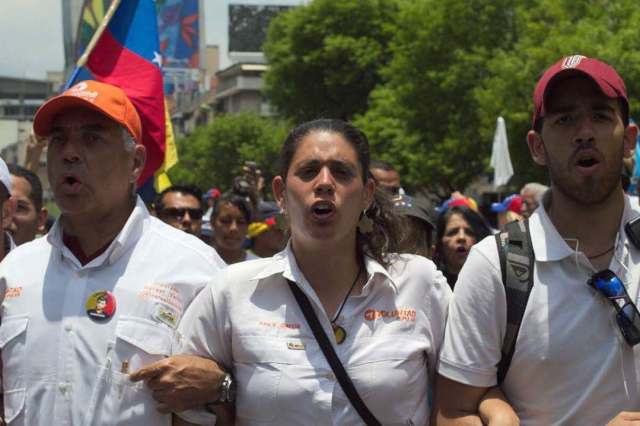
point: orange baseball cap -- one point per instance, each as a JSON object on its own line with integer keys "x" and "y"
{"x": 101, "y": 97}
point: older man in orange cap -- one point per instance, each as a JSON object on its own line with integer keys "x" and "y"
{"x": 90, "y": 303}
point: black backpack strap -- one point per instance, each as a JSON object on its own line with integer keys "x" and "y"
{"x": 517, "y": 261}
{"x": 330, "y": 354}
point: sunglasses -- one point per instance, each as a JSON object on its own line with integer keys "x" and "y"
{"x": 178, "y": 213}
{"x": 610, "y": 286}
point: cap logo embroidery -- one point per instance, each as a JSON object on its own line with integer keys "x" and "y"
{"x": 80, "y": 91}
{"x": 572, "y": 61}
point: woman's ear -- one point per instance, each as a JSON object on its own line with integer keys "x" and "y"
{"x": 278, "y": 188}
{"x": 369, "y": 191}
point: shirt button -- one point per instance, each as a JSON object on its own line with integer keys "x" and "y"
{"x": 68, "y": 328}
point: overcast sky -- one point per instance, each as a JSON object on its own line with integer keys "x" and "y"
{"x": 31, "y": 34}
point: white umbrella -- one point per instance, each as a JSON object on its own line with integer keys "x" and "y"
{"x": 500, "y": 159}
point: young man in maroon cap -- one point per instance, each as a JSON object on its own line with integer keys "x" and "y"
{"x": 574, "y": 361}
{"x": 102, "y": 294}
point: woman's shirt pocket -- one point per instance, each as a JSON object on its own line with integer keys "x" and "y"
{"x": 269, "y": 370}
{"x": 391, "y": 375}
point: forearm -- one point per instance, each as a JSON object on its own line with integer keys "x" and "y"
{"x": 456, "y": 404}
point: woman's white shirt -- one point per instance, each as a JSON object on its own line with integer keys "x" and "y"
{"x": 249, "y": 321}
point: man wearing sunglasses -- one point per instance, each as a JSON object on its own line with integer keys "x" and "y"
{"x": 181, "y": 207}
{"x": 574, "y": 360}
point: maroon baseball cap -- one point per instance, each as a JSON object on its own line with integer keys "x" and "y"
{"x": 604, "y": 76}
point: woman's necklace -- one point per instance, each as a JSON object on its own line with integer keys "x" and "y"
{"x": 338, "y": 331}
{"x": 595, "y": 256}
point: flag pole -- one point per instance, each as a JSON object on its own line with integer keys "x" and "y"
{"x": 82, "y": 61}
{"x": 96, "y": 36}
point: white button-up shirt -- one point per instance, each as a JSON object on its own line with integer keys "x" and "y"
{"x": 60, "y": 367}
{"x": 249, "y": 321}
{"x": 571, "y": 365}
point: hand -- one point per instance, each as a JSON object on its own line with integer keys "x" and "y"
{"x": 626, "y": 418}
{"x": 34, "y": 147}
{"x": 495, "y": 409}
{"x": 182, "y": 382}
{"x": 253, "y": 175}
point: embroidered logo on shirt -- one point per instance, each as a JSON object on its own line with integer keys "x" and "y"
{"x": 273, "y": 324}
{"x": 12, "y": 292}
{"x": 296, "y": 346}
{"x": 165, "y": 293}
{"x": 402, "y": 314}
{"x": 166, "y": 314}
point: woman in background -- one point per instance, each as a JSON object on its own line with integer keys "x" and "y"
{"x": 458, "y": 228}
{"x": 230, "y": 222}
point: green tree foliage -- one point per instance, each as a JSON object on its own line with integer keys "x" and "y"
{"x": 425, "y": 79}
{"x": 213, "y": 155}
{"x": 457, "y": 66}
{"x": 547, "y": 31}
{"x": 324, "y": 58}
{"x": 425, "y": 118}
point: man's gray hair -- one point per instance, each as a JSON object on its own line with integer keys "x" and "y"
{"x": 538, "y": 190}
{"x": 129, "y": 146}
{"x": 129, "y": 142}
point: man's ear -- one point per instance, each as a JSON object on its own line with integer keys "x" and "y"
{"x": 42, "y": 220}
{"x": 536, "y": 147}
{"x": 139, "y": 160}
{"x": 630, "y": 135}
{"x": 8, "y": 210}
{"x": 278, "y": 188}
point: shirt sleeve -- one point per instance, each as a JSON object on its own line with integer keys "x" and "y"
{"x": 203, "y": 332}
{"x": 205, "y": 329}
{"x": 477, "y": 320}
{"x": 438, "y": 300}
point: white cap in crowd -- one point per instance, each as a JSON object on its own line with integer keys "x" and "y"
{"x": 4, "y": 176}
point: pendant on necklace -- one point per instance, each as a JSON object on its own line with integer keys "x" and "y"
{"x": 339, "y": 333}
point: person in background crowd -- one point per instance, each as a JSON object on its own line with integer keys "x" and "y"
{"x": 508, "y": 210}
{"x": 7, "y": 210}
{"x": 365, "y": 297}
{"x": 458, "y": 228}
{"x": 417, "y": 235}
{"x": 575, "y": 361}
{"x": 210, "y": 200}
{"x": 531, "y": 197}
{"x": 181, "y": 207}
{"x": 102, "y": 294}
{"x": 230, "y": 222}
{"x": 386, "y": 176}
{"x": 267, "y": 234}
{"x": 30, "y": 216}
{"x": 458, "y": 199}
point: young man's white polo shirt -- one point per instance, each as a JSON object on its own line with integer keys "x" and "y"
{"x": 62, "y": 367}
{"x": 250, "y": 322}
{"x": 571, "y": 365}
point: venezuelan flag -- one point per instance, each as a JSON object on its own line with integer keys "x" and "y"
{"x": 126, "y": 53}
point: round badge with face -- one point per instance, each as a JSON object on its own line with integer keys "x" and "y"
{"x": 101, "y": 306}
